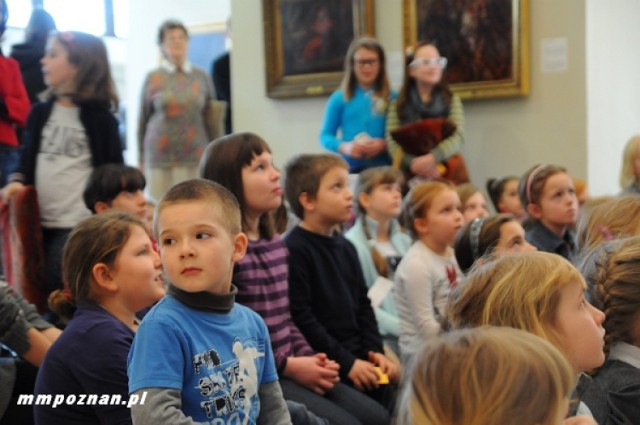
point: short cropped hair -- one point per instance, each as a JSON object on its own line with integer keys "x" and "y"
{"x": 107, "y": 181}
{"x": 203, "y": 191}
{"x": 303, "y": 174}
{"x": 171, "y": 24}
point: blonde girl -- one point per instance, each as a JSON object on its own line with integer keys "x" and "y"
{"x": 68, "y": 135}
{"x": 630, "y": 172}
{"x": 429, "y": 270}
{"x": 612, "y": 272}
{"x": 487, "y": 376}
{"x": 243, "y": 163}
{"x": 358, "y": 109}
{"x": 474, "y": 203}
{"x": 541, "y": 293}
{"x": 549, "y": 197}
{"x": 112, "y": 272}
{"x": 489, "y": 236}
{"x": 612, "y": 219}
{"x": 380, "y": 242}
{"x": 504, "y": 196}
{"x": 425, "y": 94}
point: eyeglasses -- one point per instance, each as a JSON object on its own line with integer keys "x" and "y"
{"x": 439, "y": 62}
{"x": 365, "y": 62}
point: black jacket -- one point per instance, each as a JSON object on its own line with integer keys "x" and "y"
{"x": 28, "y": 55}
{"x": 102, "y": 132}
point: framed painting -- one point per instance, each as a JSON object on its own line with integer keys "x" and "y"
{"x": 306, "y": 42}
{"x": 486, "y": 43}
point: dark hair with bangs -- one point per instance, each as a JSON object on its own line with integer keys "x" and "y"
{"x": 108, "y": 181}
{"x": 222, "y": 162}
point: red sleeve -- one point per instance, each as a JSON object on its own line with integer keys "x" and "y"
{"x": 13, "y": 92}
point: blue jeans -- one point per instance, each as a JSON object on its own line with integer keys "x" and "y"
{"x": 342, "y": 405}
{"x": 9, "y": 158}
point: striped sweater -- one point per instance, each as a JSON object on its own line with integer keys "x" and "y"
{"x": 262, "y": 278}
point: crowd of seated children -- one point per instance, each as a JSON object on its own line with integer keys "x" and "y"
{"x": 243, "y": 163}
{"x": 344, "y": 293}
{"x": 548, "y": 300}
{"x": 111, "y": 272}
{"x": 328, "y": 293}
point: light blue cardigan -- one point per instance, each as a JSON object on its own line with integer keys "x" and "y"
{"x": 386, "y": 314}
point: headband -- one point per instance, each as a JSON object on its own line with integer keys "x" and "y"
{"x": 530, "y": 180}
{"x": 474, "y": 236}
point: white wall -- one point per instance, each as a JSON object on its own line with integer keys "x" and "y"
{"x": 613, "y": 88}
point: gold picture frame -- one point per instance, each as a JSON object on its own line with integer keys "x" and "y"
{"x": 486, "y": 43}
{"x": 306, "y": 42}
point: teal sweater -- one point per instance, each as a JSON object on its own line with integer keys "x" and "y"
{"x": 386, "y": 314}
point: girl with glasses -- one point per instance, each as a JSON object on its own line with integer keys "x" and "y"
{"x": 424, "y": 94}
{"x": 359, "y": 108}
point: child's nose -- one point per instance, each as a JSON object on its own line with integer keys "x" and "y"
{"x": 186, "y": 249}
{"x": 156, "y": 260}
{"x": 598, "y": 315}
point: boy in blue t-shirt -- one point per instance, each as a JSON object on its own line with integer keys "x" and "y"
{"x": 198, "y": 356}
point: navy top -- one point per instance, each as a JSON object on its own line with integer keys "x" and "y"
{"x": 90, "y": 357}
{"x": 547, "y": 241}
{"x": 328, "y": 297}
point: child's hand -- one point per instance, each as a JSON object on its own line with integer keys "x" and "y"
{"x": 311, "y": 373}
{"x": 326, "y": 362}
{"x": 9, "y": 190}
{"x": 352, "y": 149}
{"x": 580, "y": 420}
{"x": 374, "y": 147}
{"x": 425, "y": 166}
{"x": 363, "y": 375}
{"x": 386, "y": 365}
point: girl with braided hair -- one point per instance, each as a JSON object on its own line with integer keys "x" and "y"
{"x": 612, "y": 272}
{"x": 380, "y": 242}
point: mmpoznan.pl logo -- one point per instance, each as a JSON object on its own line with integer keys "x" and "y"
{"x": 55, "y": 400}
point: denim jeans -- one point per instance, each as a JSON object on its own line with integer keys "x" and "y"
{"x": 9, "y": 158}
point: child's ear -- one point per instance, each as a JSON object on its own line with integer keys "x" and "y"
{"x": 240, "y": 242}
{"x": 307, "y": 202}
{"x": 365, "y": 200}
{"x": 534, "y": 210}
{"x": 103, "y": 277}
{"x": 101, "y": 207}
{"x": 420, "y": 225}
